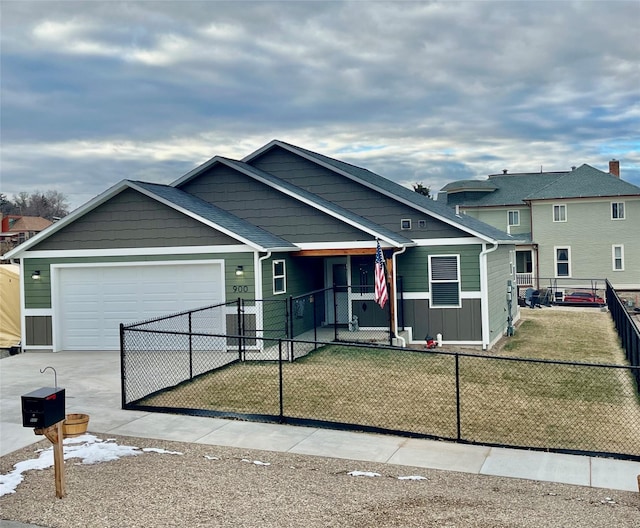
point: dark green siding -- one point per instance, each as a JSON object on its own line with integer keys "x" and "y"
{"x": 132, "y": 220}
{"x": 413, "y": 266}
{"x": 268, "y": 208}
{"x": 38, "y": 330}
{"x": 455, "y": 324}
{"x": 351, "y": 195}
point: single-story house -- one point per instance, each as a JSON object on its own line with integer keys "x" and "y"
{"x": 292, "y": 221}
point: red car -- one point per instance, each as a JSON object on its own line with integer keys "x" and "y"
{"x": 583, "y": 297}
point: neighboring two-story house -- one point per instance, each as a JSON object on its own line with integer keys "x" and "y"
{"x": 582, "y": 225}
{"x": 284, "y": 221}
{"x": 17, "y": 228}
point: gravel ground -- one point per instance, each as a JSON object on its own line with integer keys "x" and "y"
{"x": 162, "y": 490}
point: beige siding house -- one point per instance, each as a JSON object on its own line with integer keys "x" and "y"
{"x": 582, "y": 225}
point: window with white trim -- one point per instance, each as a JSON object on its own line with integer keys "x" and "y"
{"x": 563, "y": 261}
{"x": 617, "y": 210}
{"x": 513, "y": 218}
{"x": 405, "y": 224}
{"x": 617, "y": 256}
{"x": 279, "y": 277}
{"x": 560, "y": 213}
{"x": 444, "y": 281}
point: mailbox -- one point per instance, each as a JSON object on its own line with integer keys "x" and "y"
{"x": 43, "y": 407}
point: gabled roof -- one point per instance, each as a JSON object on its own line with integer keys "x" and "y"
{"x": 396, "y": 191}
{"x": 215, "y": 217}
{"x": 519, "y": 188}
{"x": 584, "y": 182}
{"x": 192, "y": 206}
{"x": 317, "y": 202}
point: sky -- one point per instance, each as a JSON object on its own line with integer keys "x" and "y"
{"x": 95, "y": 92}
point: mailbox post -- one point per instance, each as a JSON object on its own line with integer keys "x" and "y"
{"x": 44, "y": 410}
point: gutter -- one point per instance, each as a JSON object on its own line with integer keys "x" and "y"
{"x": 484, "y": 294}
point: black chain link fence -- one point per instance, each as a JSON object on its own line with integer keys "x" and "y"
{"x": 551, "y": 405}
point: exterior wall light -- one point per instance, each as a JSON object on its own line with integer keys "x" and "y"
{"x": 239, "y": 271}
{"x": 36, "y": 275}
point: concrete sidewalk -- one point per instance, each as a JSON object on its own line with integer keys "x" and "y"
{"x": 92, "y": 386}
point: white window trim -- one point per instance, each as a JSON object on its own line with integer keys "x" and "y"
{"x": 553, "y": 212}
{"x": 402, "y": 222}
{"x": 283, "y": 276}
{"x": 517, "y": 214}
{"x": 458, "y": 281}
{"x": 555, "y": 261}
{"x": 624, "y": 211}
{"x": 613, "y": 257}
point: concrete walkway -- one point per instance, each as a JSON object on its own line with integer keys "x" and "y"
{"x": 92, "y": 386}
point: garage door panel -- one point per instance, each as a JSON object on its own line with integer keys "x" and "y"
{"x": 93, "y": 301}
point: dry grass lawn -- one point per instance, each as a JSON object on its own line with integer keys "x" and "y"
{"x": 502, "y": 401}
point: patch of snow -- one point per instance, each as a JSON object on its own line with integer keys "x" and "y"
{"x": 161, "y": 451}
{"x": 87, "y": 447}
{"x": 209, "y": 457}
{"x": 413, "y": 477}
{"x": 363, "y": 474}
{"x": 256, "y": 462}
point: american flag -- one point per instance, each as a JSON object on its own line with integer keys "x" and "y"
{"x": 381, "y": 294}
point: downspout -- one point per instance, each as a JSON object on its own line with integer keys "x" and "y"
{"x": 395, "y": 295}
{"x": 484, "y": 294}
{"x": 259, "y": 292}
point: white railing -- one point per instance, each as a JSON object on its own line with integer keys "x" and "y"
{"x": 524, "y": 279}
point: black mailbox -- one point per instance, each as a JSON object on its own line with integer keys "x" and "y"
{"x": 43, "y": 407}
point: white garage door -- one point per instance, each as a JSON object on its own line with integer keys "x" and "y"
{"x": 93, "y": 301}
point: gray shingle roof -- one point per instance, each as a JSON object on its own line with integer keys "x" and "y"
{"x": 376, "y": 181}
{"x": 245, "y": 230}
{"x": 584, "y": 182}
{"x": 514, "y": 189}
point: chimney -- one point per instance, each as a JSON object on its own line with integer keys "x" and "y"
{"x": 614, "y": 168}
{"x": 504, "y": 171}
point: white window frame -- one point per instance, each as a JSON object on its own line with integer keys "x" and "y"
{"x": 556, "y": 262}
{"x": 616, "y": 206}
{"x": 282, "y": 276}
{"x": 405, "y": 224}
{"x": 515, "y": 213}
{"x": 560, "y": 207}
{"x": 433, "y": 281}
{"x": 614, "y": 257}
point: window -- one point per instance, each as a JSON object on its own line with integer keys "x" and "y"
{"x": 444, "y": 281}
{"x": 617, "y": 210}
{"x": 563, "y": 262}
{"x": 514, "y": 218}
{"x": 524, "y": 262}
{"x": 560, "y": 213}
{"x": 279, "y": 277}
{"x": 617, "y": 254}
{"x": 422, "y": 224}
{"x": 405, "y": 224}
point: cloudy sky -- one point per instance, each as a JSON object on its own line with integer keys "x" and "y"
{"x": 94, "y": 92}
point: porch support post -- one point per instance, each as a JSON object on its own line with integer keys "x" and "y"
{"x": 392, "y": 296}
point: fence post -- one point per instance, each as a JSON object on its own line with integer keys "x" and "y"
{"x": 239, "y": 307}
{"x": 280, "y": 380}
{"x": 335, "y": 313}
{"x": 123, "y": 374}
{"x": 190, "y": 347}
{"x": 458, "y": 428}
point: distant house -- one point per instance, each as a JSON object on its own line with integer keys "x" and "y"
{"x": 16, "y": 229}
{"x": 580, "y": 224}
{"x": 283, "y": 221}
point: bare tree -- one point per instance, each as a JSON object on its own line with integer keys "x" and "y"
{"x": 421, "y": 189}
{"x": 51, "y": 205}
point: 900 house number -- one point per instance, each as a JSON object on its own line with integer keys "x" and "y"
{"x": 241, "y": 289}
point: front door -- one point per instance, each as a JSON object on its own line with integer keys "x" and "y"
{"x": 336, "y": 272}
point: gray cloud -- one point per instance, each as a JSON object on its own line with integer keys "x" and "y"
{"x": 93, "y": 92}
